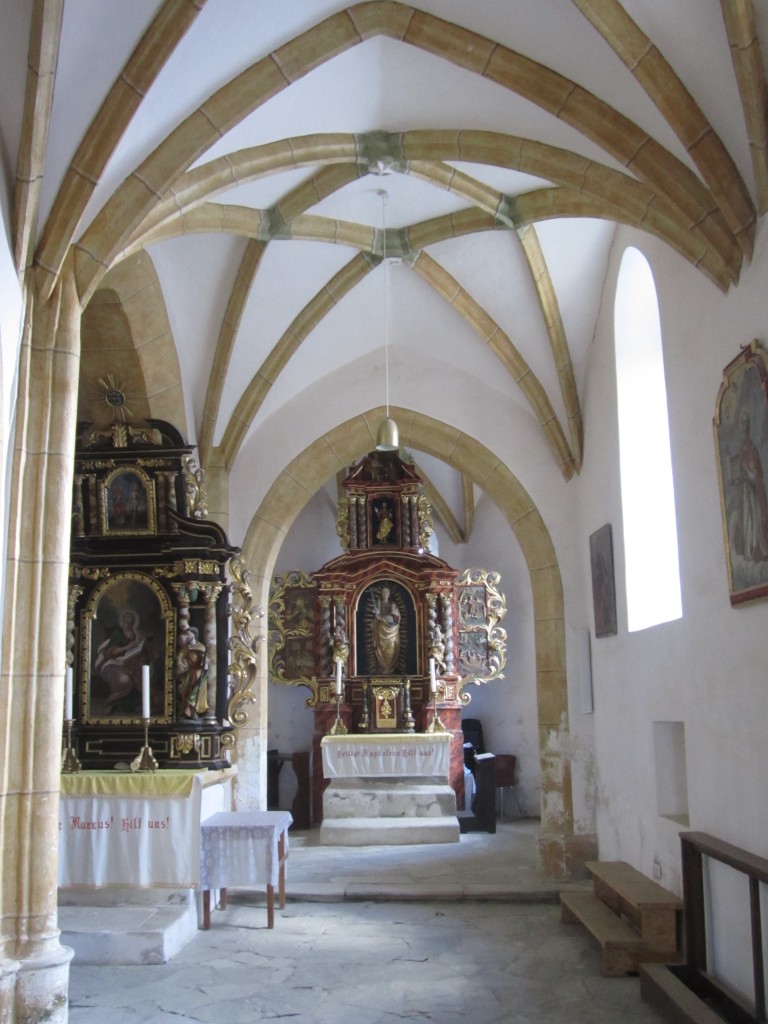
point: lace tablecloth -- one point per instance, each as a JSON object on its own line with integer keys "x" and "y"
{"x": 239, "y": 848}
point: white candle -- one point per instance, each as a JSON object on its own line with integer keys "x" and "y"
{"x": 432, "y": 679}
{"x": 145, "y": 691}
{"x": 68, "y": 694}
{"x": 338, "y": 678}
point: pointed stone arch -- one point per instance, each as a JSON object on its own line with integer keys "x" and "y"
{"x": 561, "y": 850}
{"x": 126, "y": 332}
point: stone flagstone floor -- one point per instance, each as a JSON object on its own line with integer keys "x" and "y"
{"x": 371, "y": 935}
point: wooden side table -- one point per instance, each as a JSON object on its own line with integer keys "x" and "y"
{"x": 244, "y": 848}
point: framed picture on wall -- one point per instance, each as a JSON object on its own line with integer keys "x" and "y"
{"x": 603, "y": 581}
{"x": 741, "y": 440}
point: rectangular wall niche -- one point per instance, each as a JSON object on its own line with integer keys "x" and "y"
{"x": 671, "y": 775}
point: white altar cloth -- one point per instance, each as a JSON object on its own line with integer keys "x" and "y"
{"x": 132, "y": 830}
{"x": 387, "y": 755}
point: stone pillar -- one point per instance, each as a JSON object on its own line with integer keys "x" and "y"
{"x": 34, "y": 966}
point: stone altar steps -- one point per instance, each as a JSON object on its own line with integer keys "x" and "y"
{"x": 380, "y": 812}
{"x": 634, "y": 919}
{"x": 102, "y": 928}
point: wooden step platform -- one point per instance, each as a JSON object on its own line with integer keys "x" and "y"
{"x": 633, "y": 919}
{"x": 619, "y": 943}
{"x": 653, "y": 910}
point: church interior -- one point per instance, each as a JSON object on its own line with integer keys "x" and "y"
{"x": 369, "y": 373}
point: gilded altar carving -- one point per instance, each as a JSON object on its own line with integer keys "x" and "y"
{"x": 194, "y": 485}
{"x": 292, "y": 629}
{"x": 342, "y": 523}
{"x": 243, "y": 644}
{"x": 482, "y": 641}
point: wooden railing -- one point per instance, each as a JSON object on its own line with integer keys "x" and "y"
{"x": 696, "y": 846}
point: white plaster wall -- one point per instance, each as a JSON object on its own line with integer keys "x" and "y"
{"x": 706, "y": 670}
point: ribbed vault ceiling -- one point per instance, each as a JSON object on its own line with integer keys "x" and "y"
{"x": 215, "y": 169}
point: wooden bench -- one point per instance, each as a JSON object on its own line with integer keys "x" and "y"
{"x": 634, "y": 919}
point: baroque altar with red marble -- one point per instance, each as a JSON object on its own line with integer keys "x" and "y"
{"x": 387, "y": 635}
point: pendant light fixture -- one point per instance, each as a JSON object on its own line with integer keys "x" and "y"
{"x": 387, "y": 439}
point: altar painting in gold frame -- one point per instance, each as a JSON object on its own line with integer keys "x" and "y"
{"x": 128, "y": 623}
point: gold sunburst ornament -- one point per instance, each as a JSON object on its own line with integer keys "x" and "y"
{"x": 114, "y": 396}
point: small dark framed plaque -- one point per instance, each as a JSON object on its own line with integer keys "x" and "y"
{"x": 603, "y": 581}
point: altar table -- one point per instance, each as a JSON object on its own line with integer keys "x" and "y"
{"x": 138, "y": 830}
{"x": 244, "y": 848}
{"x": 387, "y": 755}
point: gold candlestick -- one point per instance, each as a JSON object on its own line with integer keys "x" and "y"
{"x": 435, "y": 725}
{"x": 145, "y": 761}
{"x": 338, "y": 728}
{"x": 69, "y": 762}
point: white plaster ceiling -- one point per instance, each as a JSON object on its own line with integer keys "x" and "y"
{"x": 381, "y": 85}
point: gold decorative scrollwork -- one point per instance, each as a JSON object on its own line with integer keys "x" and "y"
{"x": 88, "y": 572}
{"x": 188, "y": 567}
{"x": 482, "y": 641}
{"x": 292, "y": 630}
{"x": 426, "y": 528}
{"x": 186, "y": 743}
{"x": 117, "y": 435}
{"x": 342, "y": 523}
{"x": 194, "y": 485}
{"x": 145, "y": 435}
{"x": 243, "y": 644}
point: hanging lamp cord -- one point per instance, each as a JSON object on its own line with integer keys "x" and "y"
{"x": 384, "y": 197}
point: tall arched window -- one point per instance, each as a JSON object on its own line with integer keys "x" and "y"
{"x": 647, "y": 489}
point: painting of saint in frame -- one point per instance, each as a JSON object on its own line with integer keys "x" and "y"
{"x": 127, "y": 628}
{"x": 741, "y": 439}
{"x": 127, "y": 503}
{"x": 603, "y": 581}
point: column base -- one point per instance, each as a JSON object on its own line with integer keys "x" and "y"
{"x": 36, "y": 990}
{"x": 564, "y": 856}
